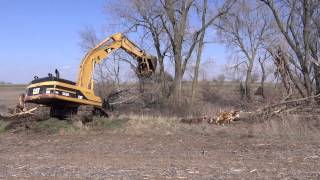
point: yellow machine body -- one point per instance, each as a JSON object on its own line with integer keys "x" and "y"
{"x": 55, "y": 93}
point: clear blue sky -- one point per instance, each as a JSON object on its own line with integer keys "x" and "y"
{"x": 37, "y": 36}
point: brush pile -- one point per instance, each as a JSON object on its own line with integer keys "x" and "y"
{"x": 302, "y": 106}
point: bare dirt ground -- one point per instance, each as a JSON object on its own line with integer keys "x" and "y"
{"x": 180, "y": 155}
{"x": 184, "y": 152}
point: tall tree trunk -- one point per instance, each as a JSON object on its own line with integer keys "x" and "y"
{"x": 263, "y": 77}
{"x": 308, "y": 83}
{"x": 177, "y": 83}
{"x": 200, "y": 48}
{"x": 160, "y": 56}
{"x": 317, "y": 79}
{"x": 306, "y": 40}
{"x": 316, "y": 70}
{"x": 163, "y": 81}
{"x": 249, "y": 80}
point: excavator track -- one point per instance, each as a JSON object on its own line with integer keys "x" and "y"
{"x": 86, "y": 113}
{"x": 42, "y": 113}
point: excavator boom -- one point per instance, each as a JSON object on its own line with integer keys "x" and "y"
{"x": 146, "y": 63}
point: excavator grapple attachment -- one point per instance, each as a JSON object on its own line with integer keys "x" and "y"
{"x": 146, "y": 66}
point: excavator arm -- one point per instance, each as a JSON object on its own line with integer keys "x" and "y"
{"x": 146, "y": 63}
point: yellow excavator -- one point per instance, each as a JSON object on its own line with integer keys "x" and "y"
{"x": 64, "y": 97}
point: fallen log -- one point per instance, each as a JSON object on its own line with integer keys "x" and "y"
{"x": 288, "y": 102}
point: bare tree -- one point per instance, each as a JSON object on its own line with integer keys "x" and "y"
{"x": 144, "y": 14}
{"x": 297, "y": 22}
{"x": 199, "y": 52}
{"x": 175, "y": 22}
{"x": 88, "y": 38}
{"x": 290, "y": 80}
{"x": 262, "y": 62}
{"x": 167, "y": 23}
{"x": 245, "y": 29}
{"x": 315, "y": 41}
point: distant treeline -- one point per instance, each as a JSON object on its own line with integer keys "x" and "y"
{"x": 3, "y": 82}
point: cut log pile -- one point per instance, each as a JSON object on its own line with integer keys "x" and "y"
{"x": 225, "y": 117}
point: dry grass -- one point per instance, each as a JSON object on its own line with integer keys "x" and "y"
{"x": 53, "y": 126}
{"x": 150, "y": 124}
{"x": 285, "y": 127}
{"x": 3, "y": 125}
{"x": 293, "y": 126}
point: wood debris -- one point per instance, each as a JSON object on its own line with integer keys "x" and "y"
{"x": 20, "y": 110}
{"x": 225, "y": 117}
{"x": 27, "y": 112}
{"x": 301, "y": 105}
